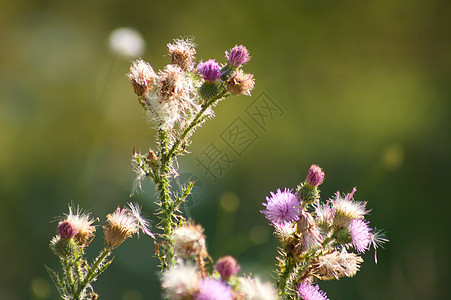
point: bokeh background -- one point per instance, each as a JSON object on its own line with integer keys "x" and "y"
{"x": 364, "y": 87}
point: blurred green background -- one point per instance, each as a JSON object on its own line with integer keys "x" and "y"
{"x": 365, "y": 91}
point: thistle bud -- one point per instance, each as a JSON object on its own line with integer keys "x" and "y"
{"x": 315, "y": 175}
{"x": 227, "y": 267}
{"x": 209, "y": 70}
{"x": 238, "y": 56}
{"x": 209, "y": 90}
{"x": 241, "y": 83}
{"x": 121, "y": 225}
{"x": 307, "y": 193}
{"x": 66, "y": 230}
{"x": 63, "y": 248}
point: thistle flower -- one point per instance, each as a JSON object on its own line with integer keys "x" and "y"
{"x": 254, "y": 289}
{"x": 308, "y": 291}
{"x": 127, "y": 42}
{"x": 241, "y": 83}
{"x": 324, "y": 214}
{"x": 360, "y": 234}
{"x": 83, "y": 224}
{"x": 282, "y": 207}
{"x": 346, "y": 209}
{"x": 336, "y": 264}
{"x": 142, "y": 77}
{"x": 227, "y": 267}
{"x": 315, "y": 175}
{"x": 182, "y": 53}
{"x": 189, "y": 241}
{"x": 123, "y": 223}
{"x": 212, "y": 289}
{"x": 180, "y": 282}
{"x": 66, "y": 230}
{"x": 239, "y": 55}
{"x": 209, "y": 70}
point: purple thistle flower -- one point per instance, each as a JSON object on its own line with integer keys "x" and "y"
{"x": 239, "y": 55}
{"x": 209, "y": 70}
{"x": 282, "y": 207}
{"x": 315, "y": 175}
{"x": 360, "y": 234}
{"x": 213, "y": 289}
{"x": 310, "y": 292}
{"x": 66, "y": 230}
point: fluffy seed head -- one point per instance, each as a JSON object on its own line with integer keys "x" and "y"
{"x": 182, "y": 53}
{"x": 315, "y": 175}
{"x": 282, "y": 207}
{"x": 212, "y": 289}
{"x": 227, "y": 267}
{"x": 172, "y": 83}
{"x": 336, "y": 264}
{"x": 209, "y": 70}
{"x": 308, "y": 291}
{"x": 238, "y": 56}
{"x": 241, "y": 83}
{"x": 127, "y": 42}
{"x": 143, "y": 77}
{"x": 189, "y": 241}
{"x": 346, "y": 209}
{"x": 254, "y": 289}
{"x": 180, "y": 282}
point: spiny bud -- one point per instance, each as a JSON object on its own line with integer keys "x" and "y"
{"x": 307, "y": 193}
{"x": 209, "y": 70}
{"x": 241, "y": 83}
{"x": 227, "y": 267}
{"x": 209, "y": 90}
{"x": 238, "y": 56}
{"x": 66, "y": 230}
{"x": 63, "y": 248}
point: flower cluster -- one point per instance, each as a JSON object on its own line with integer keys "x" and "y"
{"x": 317, "y": 237}
{"x": 188, "y": 277}
{"x": 75, "y": 232}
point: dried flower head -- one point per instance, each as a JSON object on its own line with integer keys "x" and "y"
{"x": 285, "y": 231}
{"x": 66, "y": 230}
{"x": 305, "y": 221}
{"x": 315, "y": 175}
{"x": 209, "y": 70}
{"x": 180, "y": 281}
{"x": 308, "y": 291}
{"x": 336, "y": 264}
{"x": 227, "y": 267}
{"x": 83, "y": 224}
{"x": 172, "y": 83}
{"x": 127, "y": 42}
{"x": 189, "y": 241}
{"x": 182, "y": 53}
{"x": 142, "y": 77}
{"x": 123, "y": 223}
{"x": 324, "y": 215}
{"x": 239, "y": 55}
{"x": 360, "y": 234}
{"x": 241, "y": 83}
{"x": 282, "y": 207}
{"x": 346, "y": 209}
{"x": 254, "y": 289}
{"x": 311, "y": 238}
{"x": 213, "y": 289}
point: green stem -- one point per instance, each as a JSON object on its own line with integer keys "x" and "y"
{"x": 284, "y": 275}
{"x": 93, "y": 272}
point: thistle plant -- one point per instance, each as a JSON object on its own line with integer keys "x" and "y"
{"x": 319, "y": 240}
{"x": 75, "y": 233}
{"x": 177, "y": 100}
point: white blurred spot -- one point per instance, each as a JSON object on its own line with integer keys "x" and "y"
{"x": 127, "y": 42}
